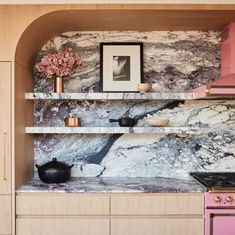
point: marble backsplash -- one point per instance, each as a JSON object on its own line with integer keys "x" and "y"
{"x": 173, "y": 61}
{"x": 191, "y": 113}
{"x": 140, "y": 155}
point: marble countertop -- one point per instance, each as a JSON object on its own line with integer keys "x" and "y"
{"x": 114, "y": 185}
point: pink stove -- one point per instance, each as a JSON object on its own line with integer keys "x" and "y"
{"x": 220, "y": 213}
{"x": 219, "y": 202}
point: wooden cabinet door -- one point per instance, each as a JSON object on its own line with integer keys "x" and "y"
{"x": 155, "y": 226}
{"x": 5, "y": 214}
{"x": 62, "y": 204}
{"x": 62, "y": 226}
{"x": 158, "y": 204}
{"x": 5, "y": 128}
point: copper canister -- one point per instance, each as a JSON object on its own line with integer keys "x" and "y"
{"x": 72, "y": 121}
{"x": 59, "y": 85}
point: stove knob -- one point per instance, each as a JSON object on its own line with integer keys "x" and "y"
{"x": 229, "y": 199}
{"x": 218, "y": 199}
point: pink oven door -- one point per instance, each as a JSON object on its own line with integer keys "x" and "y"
{"x": 220, "y": 222}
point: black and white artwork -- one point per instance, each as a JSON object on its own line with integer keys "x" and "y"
{"x": 121, "y": 68}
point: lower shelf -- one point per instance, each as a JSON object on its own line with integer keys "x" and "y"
{"x": 108, "y": 130}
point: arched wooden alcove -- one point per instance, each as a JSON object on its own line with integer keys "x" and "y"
{"x": 94, "y": 18}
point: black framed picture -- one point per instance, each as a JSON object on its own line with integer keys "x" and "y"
{"x": 121, "y": 66}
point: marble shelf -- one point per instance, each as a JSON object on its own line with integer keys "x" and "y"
{"x": 113, "y": 96}
{"x": 109, "y": 130}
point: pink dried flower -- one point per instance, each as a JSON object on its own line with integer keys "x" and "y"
{"x": 62, "y": 63}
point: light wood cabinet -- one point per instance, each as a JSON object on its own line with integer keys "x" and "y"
{"x": 62, "y": 226}
{"x": 5, "y": 128}
{"x": 5, "y": 214}
{"x": 110, "y": 214}
{"x": 154, "y": 226}
{"x": 5, "y": 148}
{"x": 54, "y": 204}
{"x": 164, "y": 214}
{"x": 62, "y": 214}
{"x": 158, "y": 204}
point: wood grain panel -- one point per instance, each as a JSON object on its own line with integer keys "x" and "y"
{"x": 78, "y": 19}
{"x": 62, "y": 226}
{"x": 5, "y": 214}
{"x": 30, "y": 21}
{"x": 14, "y": 19}
{"x": 62, "y": 204}
{"x": 161, "y": 226}
{"x": 23, "y": 115}
{"x": 5, "y": 127}
{"x": 167, "y": 204}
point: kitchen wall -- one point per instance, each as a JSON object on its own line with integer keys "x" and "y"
{"x": 173, "y": 62}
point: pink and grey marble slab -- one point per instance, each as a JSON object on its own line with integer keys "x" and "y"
{"x": 114, "y": 185}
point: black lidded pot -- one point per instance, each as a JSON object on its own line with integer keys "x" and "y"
{"x": 54, "y": 172}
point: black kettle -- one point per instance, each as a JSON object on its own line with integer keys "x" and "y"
{"x": 54, "y": 172}
{"x": 125, "y": 121}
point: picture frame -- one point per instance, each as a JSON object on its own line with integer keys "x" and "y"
{"x": 121, "y": 66}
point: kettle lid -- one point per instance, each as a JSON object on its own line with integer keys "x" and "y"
{"x": 54, "y": 164}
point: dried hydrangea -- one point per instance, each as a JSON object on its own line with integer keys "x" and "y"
{"x": 62, "y": 63}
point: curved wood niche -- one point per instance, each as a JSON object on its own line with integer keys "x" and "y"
{"x": 146, "y": 17}
{"x": 142, "y": 17}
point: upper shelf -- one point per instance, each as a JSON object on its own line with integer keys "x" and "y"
{"x": 109, "y": 130}
{"x": 113, "y": 96}
{"x": 203, "y": 94}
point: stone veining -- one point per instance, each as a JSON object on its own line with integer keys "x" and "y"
{"x": 141, "y": 155}
{"x": 173, "y": 62}
{"x": 114, "y": 185}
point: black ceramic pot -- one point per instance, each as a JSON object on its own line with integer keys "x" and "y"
{"x": 54, "y": 172}
{"x": 124, "y": 121}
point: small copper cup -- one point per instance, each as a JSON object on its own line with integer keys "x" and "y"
{"x": 72, "y": 121}
{"x": 59, "y": 85}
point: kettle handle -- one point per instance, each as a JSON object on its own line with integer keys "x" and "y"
{"x": 69, "y": 167}
{"x": 113, "y": 120}
{"x": 38, "y": 166}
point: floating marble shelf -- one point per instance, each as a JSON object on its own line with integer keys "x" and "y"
{"x": 113, "y": 96}
{"x": 108, "y": 130}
